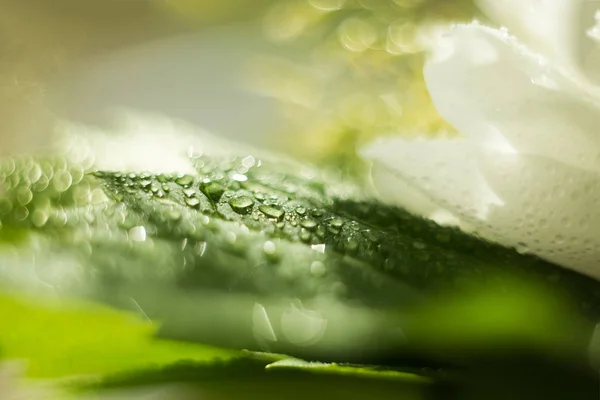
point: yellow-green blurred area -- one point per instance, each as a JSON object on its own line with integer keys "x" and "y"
{"x": 360, "y": 74}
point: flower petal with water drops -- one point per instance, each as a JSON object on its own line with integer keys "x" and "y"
{"x": 550, "y": 209}
{"x": 565, "y": 31}
{"x": 511, "y": 100}
{"x": 550, "y": 27}
{"x": 531, "y": 203}
{"x": 446, "y": 171}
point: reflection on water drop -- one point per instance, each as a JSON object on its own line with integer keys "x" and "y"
{"x": 137, "y": 234}
{"x": 301, "y": 326}
{"x": 319, "y": 248}
{"x": 200, "y": 248}
{"x": 239, "y": 177}
{"x": 261, "y": 324}
{"x": 269, "y": 247}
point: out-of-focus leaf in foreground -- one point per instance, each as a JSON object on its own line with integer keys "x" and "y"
{"x": 62, "y": 339}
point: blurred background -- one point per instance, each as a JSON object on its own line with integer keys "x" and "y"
{"x": 304, "y": 76}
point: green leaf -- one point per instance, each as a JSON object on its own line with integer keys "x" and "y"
{"x": 254, "y": 377}
{"x": 61, "y": 339}
{"x": 249, "y": 252}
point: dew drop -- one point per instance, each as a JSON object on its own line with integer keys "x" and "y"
{"x": 192, "y": 202}
{"x": 301, "y": 210}
{"x": 270, "y": 250}
{"x": 319, "y": 248}
{"x": 162, "y": 178}
{"x": 137, "y": 234}
{"x": 184, "y": 180}
{"x": 189, "y": 192}
{"x": 308, "y": 223}
{"x": 351, "y": 246}
{"x": 336, "y": 223}
{"x": 241, "y": 204}
{"x": 272, "y": 211}
{"x": 239, "y": 177}
{"x": 305, "y": 235}
{"x": 214, "y": 191}
{"x": 522, "y": 248}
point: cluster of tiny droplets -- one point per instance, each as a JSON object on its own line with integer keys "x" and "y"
{"x": 233, "y": 216}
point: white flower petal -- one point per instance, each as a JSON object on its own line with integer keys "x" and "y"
{"x": 445, "y": 172}
{"x": 528, "y": 202}
{"x": 392, "y": 189}
{"x": 564, "y": 31}
{"x": 509, "y": 102}
{"x": 549, "y": 208}
{"x": 551, "y": 27}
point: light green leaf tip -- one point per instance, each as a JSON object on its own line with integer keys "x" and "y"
{"x": 59, "y": 339}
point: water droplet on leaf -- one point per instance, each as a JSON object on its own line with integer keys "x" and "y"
{"x": 241, "y": 204}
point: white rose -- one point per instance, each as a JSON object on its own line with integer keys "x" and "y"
{"x": 526, "y": 172}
